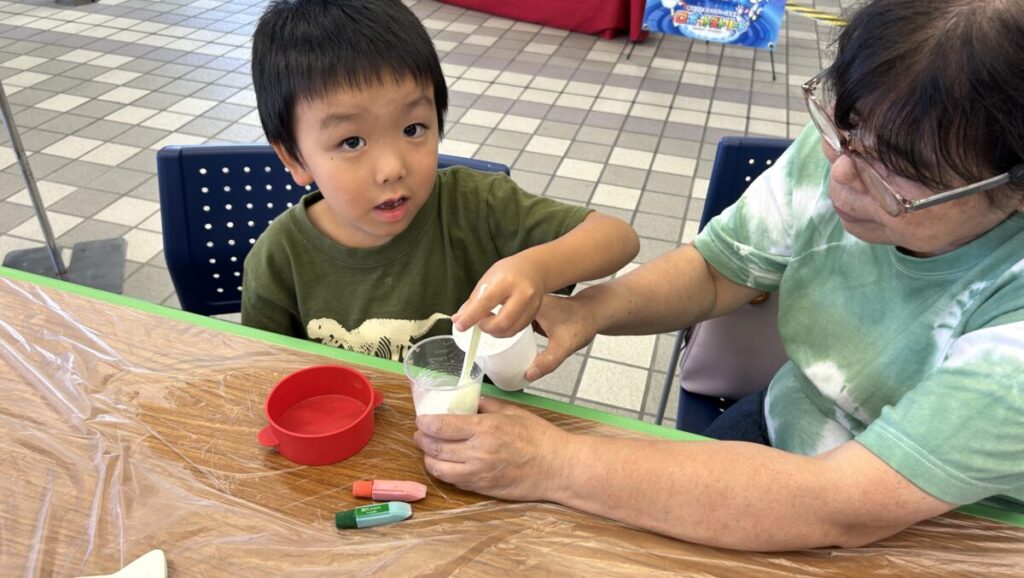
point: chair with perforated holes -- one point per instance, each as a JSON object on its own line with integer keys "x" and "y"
{"x": 215, "y": 200}
{"x": 721, "y": 360}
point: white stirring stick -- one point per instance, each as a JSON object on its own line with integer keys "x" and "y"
{"x": 467, "y": 363}
{"x": 474, "y": 341}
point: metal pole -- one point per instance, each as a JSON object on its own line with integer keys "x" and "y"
{"x": 30, "y": 182}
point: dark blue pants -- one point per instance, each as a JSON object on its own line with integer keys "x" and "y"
{"x": 743, "y": 421}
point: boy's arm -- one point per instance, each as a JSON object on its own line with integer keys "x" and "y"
{"x": 597, "y": 247}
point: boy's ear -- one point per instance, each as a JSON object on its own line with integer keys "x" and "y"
{"x": 299, "y": 173}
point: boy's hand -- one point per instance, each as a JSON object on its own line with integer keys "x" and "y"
{"x": 512, "y": 283}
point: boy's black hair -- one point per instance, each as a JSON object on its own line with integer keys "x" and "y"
{"x": 937, "y": 86}
{"x": 304, "y": 49}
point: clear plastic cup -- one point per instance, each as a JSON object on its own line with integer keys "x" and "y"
{"x": 504, "y": 359}
{"x": 433, "y": 367}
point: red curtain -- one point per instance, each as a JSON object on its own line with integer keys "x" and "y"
{"x": 605, "y": 18}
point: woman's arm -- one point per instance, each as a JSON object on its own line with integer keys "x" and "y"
{"x": 728, "y": 494}
{"x": 673, "y": 291}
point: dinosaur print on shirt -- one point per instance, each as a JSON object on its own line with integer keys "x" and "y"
{"x": 386, "y": 338}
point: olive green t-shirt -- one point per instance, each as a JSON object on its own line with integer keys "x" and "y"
{"x": 920, "y": 360}
{"x": 381, "y": 300}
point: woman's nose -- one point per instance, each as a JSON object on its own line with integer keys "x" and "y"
{"x": 844, "y": 169}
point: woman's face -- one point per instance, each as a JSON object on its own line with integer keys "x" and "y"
{"x": 925, "y": 233}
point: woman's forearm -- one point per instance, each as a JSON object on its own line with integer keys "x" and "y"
{"x": 673, "y": 291}
{"x": 728, "y": 494}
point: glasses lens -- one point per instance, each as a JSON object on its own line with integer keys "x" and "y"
{"x": 824, "y": 124}
{"x": 883, "y": 194}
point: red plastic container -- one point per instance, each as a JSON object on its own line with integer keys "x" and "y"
{"x": 320, "y": 415}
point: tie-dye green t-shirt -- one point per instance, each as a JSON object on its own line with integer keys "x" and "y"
{"x": 921, "y": 360}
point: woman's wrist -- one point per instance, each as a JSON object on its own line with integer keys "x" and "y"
{"x": 597, "y": 306}
{"x": 564, "y": 455}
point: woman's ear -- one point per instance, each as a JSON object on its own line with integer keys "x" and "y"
{"x": 299, "y": 173}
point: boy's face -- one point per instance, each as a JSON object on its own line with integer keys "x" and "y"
{"x": 372, "y": 153}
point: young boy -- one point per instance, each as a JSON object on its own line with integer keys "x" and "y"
{"x": 351, "y": 96}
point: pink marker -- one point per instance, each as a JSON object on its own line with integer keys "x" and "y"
{"x": 389, "y": 490}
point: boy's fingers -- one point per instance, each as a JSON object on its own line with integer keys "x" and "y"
{"x": 477, "y": 307}
{"x": 510, "y": 320}
{"x": 469, "y": 314}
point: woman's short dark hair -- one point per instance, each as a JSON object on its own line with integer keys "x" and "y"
{"x": 304, "y": 49}
{"x": 938, "y": 87}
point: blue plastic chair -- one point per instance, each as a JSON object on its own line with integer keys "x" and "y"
{"x": 215, "y": 200}
{"x": 738, "y": 161}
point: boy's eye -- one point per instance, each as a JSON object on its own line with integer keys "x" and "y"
{"x": 352, "y": 142}
{"x": 414, "y": 130}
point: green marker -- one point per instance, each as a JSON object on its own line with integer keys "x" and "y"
{"x": 374, "y": 515}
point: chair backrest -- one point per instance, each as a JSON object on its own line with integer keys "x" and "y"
{"x": 738, "y": 161}
{"x": 728, "y": 357}
{"x": 709, "y": 367}
{"x": 215, "y": 200}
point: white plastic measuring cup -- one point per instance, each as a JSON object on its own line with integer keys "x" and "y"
{"x": 504, "y": 359}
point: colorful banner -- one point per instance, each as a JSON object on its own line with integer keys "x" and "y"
{"x": 753, "y": 23}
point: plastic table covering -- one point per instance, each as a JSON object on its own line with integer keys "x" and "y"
{"x": 126, "y": 426}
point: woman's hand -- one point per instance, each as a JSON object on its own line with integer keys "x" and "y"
{"x": 503, "y": 451}
{"x": 569, "y": 327}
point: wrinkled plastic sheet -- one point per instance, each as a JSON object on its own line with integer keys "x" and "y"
{"x": 125, "y": 430}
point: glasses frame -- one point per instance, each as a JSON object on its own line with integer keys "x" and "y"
{"x": 892, "y": 203}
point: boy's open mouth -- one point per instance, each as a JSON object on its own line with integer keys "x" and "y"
{"x": 393, "y": 210}
{"x": 392, "y": 204}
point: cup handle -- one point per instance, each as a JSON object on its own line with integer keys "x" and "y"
{"x": 266, "y": 437}
{"x": 377, "y": 398}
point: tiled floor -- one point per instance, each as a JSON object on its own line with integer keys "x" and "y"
{"x": 97, "y": 89}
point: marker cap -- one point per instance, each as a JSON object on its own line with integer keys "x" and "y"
{"x": 362, "y": 489}
{"x": 402, "y": 491}
{"x": 346, "y": 519}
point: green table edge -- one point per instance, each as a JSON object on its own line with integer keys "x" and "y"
{"x": 339, "y": 354}
{"x": 980, "y": 509}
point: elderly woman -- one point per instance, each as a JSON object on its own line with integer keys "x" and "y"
{"x": 893, "y": 231}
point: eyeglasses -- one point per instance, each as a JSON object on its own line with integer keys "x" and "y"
{"x": 893, "y": 203}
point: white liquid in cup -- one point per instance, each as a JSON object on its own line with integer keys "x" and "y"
{"x": 504, "y": 359}
{"x": 434, "y": 396}
{"x": 433, "y": 367}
